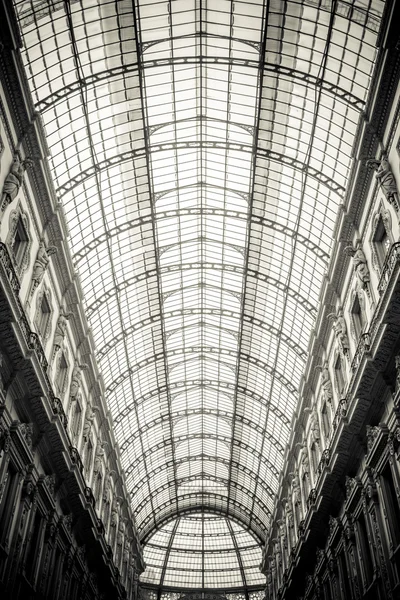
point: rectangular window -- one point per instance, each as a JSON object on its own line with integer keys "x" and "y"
{"x": 382, "y": 242}
{"x": 391, "y": 504}
{"x": 339, "y": 375}
{"x": 365, "y": 548}
{"x": 44, "y": 316}
{"x": 88, "y": 458}
{"x": 359, "y": 319}
{"x": 7, "y": 499}
{"x": 344, "y": 576}
{"x": 76, "y": 420}
{"x": 62, "y": 374}
{"x": 34, "y": 542}
{"x": 19, "y": 242}
{"x": 325, "y": 420}
{"x": 314, "y": 458}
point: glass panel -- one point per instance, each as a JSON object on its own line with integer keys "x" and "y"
{"x": 201, "y": 152}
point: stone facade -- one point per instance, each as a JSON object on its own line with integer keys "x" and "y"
{"x": 60, "y": 472}
{"x": 335, "y": 531}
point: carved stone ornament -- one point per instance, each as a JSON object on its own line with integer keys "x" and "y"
{"x": 391, "y": 445}
{"x": 340, "y": 329}
{"x": 67, "y": 520}
{"x": 349, "y": 530}
{"x": 350, "y": 484}
{"x": 326, "y": 456}
{"x": 312, "y": 498}
{"x": 397, "y": 366}
{"x": 13, "y": 181}
{"x": 332, "y": 564}
{"x": 370, "y": 486}
{"x": 76, "y": 381}
{"x": 61, "y": 386}
{"x": 360, "y": 266}
{"x": 333, "y": 522}
{"x": 29, "y": 485}
{"x": 305, "y": 461}
{"x": 107, "y": 485}
{"x": 296, "y": 489}
{"x": 61, "y": 329}
{"x": 326, "y": 383}
{"x": 343, "y": 407}
{"x": 99, "y": 456}
{"x": 114, "y": 513}
{"x": 290, "y": 520}
{"x": 87, "y": 427}
{"x": 50, "y": 481}
{"x": 5, "y": 438}
{"x": 320, "y": 555}
{"x": 26, "y": 430}
{"x": 372, "y": 434}
{"x": 385, "y": 178}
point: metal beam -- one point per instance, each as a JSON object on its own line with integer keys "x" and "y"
{"x": 226, "y": 213}
{"x": 103, "y": 350}
{"x": 132, "y": 68}
{"x": 247, "y": 271}
{"x": 256, "y": 525}
{"x": 143, "y": 100}
{"x": 218, "y": 413}
{"x": 239, "y": 558}
{"x": 292, "y": 389}
{"x": 189, "y": 384}
{"x": 182, "y": 480}
{"x": 192, "y": 478}
{"x": 168, "y": 552}
{"x": 207, "y": 436}
{"x": 196, "y": 458}
{"x": 142, "y": 152}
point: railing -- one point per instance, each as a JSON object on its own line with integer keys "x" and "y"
{"x": 392, "y": 260}
{"x": 76, "y": 458}
{"x": 363, "y": 347}
{"x": 57, "y": 407}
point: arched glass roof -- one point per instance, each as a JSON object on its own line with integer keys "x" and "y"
{"x": 201, "y": 150}
{"x": 202, "y": 551}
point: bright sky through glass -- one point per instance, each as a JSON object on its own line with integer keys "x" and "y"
{"x": 201, "y": 151}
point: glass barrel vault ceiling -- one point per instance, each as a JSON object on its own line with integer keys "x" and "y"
{"x": 201, "y": 150}
{"x": 203, "y": 551}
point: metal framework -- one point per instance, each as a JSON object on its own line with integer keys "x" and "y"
{"x": 201, "y": 151}
{"x": 206, "y": 550}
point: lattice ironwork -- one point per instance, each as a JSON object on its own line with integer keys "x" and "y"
{"x": 201, "y": 152}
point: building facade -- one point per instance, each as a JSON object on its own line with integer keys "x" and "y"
{"x": 66, "y": 527}
{"x": 336, "y": 522}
